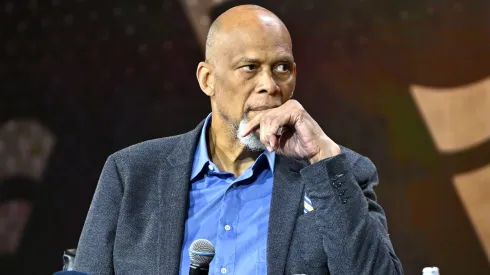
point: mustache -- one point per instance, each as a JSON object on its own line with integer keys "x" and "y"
{"x": 249, "y": 108}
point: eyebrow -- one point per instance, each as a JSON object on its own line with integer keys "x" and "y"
{"x": 247, "y": 60}
{"x": 286, "y": 59}
{"x": 283, "y": 59}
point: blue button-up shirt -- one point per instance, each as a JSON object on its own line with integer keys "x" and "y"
{"x": 232, "y": 213}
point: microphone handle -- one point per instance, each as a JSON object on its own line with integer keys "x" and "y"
{"x": 199, "y": 269}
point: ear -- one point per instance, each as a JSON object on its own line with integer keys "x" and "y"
{"x": 294, "y": 75}
{"x": 205, "y": 79}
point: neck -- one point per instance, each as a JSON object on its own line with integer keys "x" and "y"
{"x": 226, "y": 151}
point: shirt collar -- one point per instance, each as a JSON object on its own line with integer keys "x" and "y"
{"x": 201, "y": 157}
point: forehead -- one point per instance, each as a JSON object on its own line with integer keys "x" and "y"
{"x": 264, "y": 41}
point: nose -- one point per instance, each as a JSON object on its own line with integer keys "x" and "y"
{"x": 267, "y": 84}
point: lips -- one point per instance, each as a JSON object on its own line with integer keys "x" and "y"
{"x": 262, "y": 108}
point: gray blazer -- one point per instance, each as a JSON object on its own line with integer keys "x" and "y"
{"x": 135, "y": 224}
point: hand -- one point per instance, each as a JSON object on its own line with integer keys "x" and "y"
{"x": 301, "y": 137}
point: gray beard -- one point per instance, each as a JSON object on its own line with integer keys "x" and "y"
{"x": 252, "y": 141}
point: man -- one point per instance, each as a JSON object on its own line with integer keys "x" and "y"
{"x": 258, "y": 178}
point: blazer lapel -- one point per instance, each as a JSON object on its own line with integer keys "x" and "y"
{"x": 174, "y": 197}
{"x": 286, "y": 206}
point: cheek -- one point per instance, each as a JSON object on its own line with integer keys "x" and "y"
{"x": 232, "y": 102}
{"x": 288, "y": 90}
{"x": 235, "y": 93}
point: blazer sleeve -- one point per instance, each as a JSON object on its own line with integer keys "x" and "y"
{"x": 96, "y": 244}
{"x": 351, "y": 222}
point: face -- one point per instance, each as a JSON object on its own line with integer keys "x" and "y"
{"x": 254, "y": 71}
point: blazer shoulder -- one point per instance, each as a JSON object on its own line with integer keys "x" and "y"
{"x": 149, "y": 147}
{"x": 145, "y": 154}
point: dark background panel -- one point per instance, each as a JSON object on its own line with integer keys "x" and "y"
{"x": 102, "y": 75}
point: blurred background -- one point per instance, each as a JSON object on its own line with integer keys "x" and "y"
{"x": 406, "y": 83}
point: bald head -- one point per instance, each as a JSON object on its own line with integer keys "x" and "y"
{"x": 247, "y": 19}
{"x": 249, "y": 65}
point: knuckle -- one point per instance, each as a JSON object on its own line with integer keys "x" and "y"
{"x": 295, "y": 103}
{"x": 301, "y": 112}
{"x": 262, "y": 132}
{"x": 263, "y": 119}
{"x": 274, "y": 126}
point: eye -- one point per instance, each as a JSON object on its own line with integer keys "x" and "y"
{"x": 249, "y": 68}
{"x": 282, "y": 68}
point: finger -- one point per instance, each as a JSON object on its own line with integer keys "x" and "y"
{"x": 279, "y": 119}
{"x": 251, "y": 125}
{"x": 269, "y": 129}
{"x": 273, "y": 131}
{"x": 263, "y": 135}
{"x": 266, "y": 132}
{"x": 283, "y": 115}
{"x": 273, "y": 140}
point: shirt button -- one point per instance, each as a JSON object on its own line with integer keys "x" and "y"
{"x": 210, "y": 167}
{"x": 223, "y": 270}
{"x": 227, "y": 227}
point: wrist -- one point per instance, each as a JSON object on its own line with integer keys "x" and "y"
{"x": 326, "y": 151}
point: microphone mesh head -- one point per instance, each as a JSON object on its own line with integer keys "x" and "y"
{"x": 201, "y": 252}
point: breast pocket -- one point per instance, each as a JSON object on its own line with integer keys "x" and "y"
{"x": 261, "y": 255}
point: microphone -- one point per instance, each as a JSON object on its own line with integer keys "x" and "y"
{"x": 201, "y": 254}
